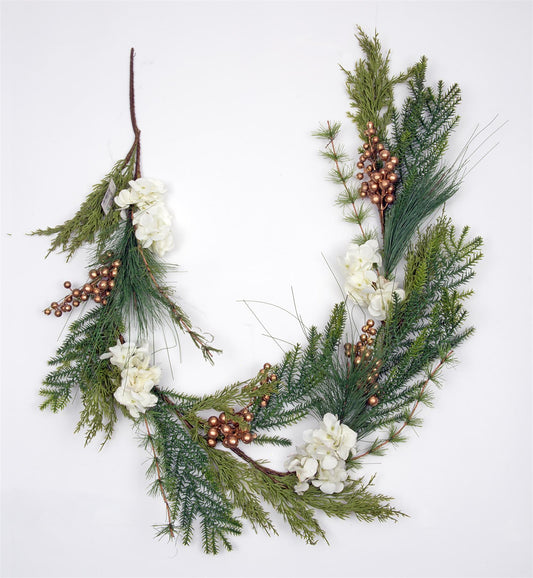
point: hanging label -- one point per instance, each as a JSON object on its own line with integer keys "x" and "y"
{"x": 107, "y": 201}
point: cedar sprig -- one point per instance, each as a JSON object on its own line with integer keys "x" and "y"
{"x": 90, "y": 224}
{"x": 370, "y": 86}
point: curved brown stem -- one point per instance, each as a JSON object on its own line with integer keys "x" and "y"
{"x": 268, "y": 471}
{"x": 404, "y": 425}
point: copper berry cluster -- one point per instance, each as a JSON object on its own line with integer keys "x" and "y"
{"x": 362, "y": 350}
{"x": 101, "y": 283}
{"x": 229, "y": 431}
{"x": 379, "y": 166}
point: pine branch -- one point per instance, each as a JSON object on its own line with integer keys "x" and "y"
{"x": 420, "y": 138}
{"x": 300, "y": 374}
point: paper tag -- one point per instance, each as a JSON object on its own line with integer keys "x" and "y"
{"x": 107, "y": 201}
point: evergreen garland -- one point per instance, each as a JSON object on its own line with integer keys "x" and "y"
{"x": 365, "y": 392}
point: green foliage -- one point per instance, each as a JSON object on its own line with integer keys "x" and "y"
{"x": 344, "y": 391}
{"x": 144, "y": 298}
{"x": 422, "y": 130}
{"x": 421, "y": 134}
{"x": 355, "y": 499}
{"x": 419, "y": 331}
{"x": 229, "y": 399}
{"x": 426, "y": 326}
{"x": 371, "y": 88}
{"x": 302, "y": 370}
{"x": 90, "y": 223}
{"x": 189, "y": 486}
{"x": 77, "y": 364}
{"x": 343, "y": 173}
{"x": 238, "y": 482}
{"x": 246, "y": 484}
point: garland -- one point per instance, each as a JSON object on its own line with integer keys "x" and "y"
{"x": 364, "y": 390}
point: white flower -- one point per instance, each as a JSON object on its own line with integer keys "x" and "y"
{"x": 140, "y": 380}
{"x": 362, "y": 257}
{"x": 360, "y": 274}
{"x": 360, "y": 286}
{"x": 151, "y": 218}
{"x": 304, "y": 466}
{"x": 128, "y": 354}
{"x": 153, "y": 226}
{"x": 301, "y": 487}
{"x": 330, "y": 443}
{"x": 142, "y": 192}
{"x": 346, "y": 442}
{"x": 331, "y": 481}
{"x": 125, "y": 198}
{"x": 136, "y": 402}
{"x": 137, "y": 376}
{"x": 380, "y": 301}
{"x": 162, "y": 246}
{"x": 149, "y": 191}
{"x": 322, "y": 461}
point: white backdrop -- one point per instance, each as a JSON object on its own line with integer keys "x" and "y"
{"x": 228, "y": 95}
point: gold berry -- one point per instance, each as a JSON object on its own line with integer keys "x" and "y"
{"x": 373, "y": 400}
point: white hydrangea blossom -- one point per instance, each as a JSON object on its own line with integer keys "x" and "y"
{"x": 322, "y": 460}
{"x": 151, "y": 218}
{"x": 382, "y": 297}
{"x": 361, "y": 277}
{"x": 137, "y": 376}
{"x": 363, "y": 283}
{"x": 362, "y": 257}
{"x": 331, "y": 481}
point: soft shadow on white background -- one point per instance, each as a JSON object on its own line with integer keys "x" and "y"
{"x": 228, "y": 94}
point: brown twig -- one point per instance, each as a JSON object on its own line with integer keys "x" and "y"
{"x": 405, "y": 423}
{"x": 136, "y": 131}
{"x": 161, "y": 489}
{"x": 268, "y": 471}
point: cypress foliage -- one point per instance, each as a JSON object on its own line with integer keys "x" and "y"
{"x": 90, "y": 224}
{"x": 371, "y": 87}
